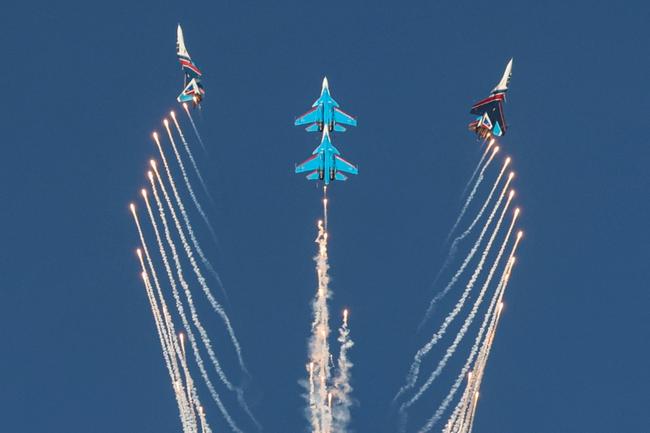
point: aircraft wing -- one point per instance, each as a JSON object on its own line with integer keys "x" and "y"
{"x": 342, "y": 117}
{"x": 312, "y": 116}
{"x": 493, "y": 107}
{"x": 311, "y": 164}
{"x": 345, "y": 166}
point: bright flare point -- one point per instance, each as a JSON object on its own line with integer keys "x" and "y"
{"x": 132, "y": 207}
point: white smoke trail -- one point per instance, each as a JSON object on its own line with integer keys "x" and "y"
{"x": 469, "y": 257}
{"x": 181, "y": 402}
{"x": 165, "y": 340}
{"x": 191, "y": 156}
{"x": 445, "y": 403}
{"x": 472, "y": 193}
{"x": 478, "y": 166}
{"x": 454, "y": 245}
{"x": 477, "y": 303}
{"x": 189, "y": 382}
{"x": 457, "y": 420}
{"x": 481, "y": 361}
{"x": 462, "y": 415}
{"x": 320, "y": 415}
{"x": 181, "y": 310}
{"x": 179, "y": 349}
{"x": 186, "y": 219}
{"x": 197, "y": 271}
{"x": 312, "y": 399}
{"x": 414, "y": 370}
{"x": 188, "y": 184}
{"x": 342, "y": 387}
{"x": 196, "y": 131}
{"x": 467, "y": 231}
{"x": 443, "y": 406}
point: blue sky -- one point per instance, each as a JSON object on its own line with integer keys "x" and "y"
{"x": 86, "y": 83}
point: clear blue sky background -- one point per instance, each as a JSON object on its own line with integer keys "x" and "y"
{"x": 85, "y": 83}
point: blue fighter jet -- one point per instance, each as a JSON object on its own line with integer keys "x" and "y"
{"x": 325, "y": 111}
{"x": 490, "y": 120}
{"x": 193, "y": 89}
{"x": 326, "y": 163}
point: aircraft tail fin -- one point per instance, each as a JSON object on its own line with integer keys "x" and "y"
{"x": 497, "y": 130}
{"x": 339, "y": 128}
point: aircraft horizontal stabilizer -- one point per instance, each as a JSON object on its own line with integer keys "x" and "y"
{"x": 313, "y": 175}
{"x": 312, "y": 128}
{"x": 340, "y": 176}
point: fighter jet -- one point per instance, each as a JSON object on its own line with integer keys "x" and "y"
{"x": 193, "y": 89}
{"x": 325, "y": 111}
{"x": 326, "y": 163}
{"x": 490, "y": 120}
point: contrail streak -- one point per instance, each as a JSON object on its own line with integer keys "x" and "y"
{"x": 188, "y": 184}
{"x": 186, "y": 219}
{"x": 181, "y": 310}
{"x": 472, "y": 193}
{"x": 196, "y": 131}
{"x": 469, "y": 257}
{"x": 454, "y": 246}
{"x": 478, "y": 166}
{"x": 443, "y": 406}
{"x": 189, "y": 153}
{"x": 342, "y": 387}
